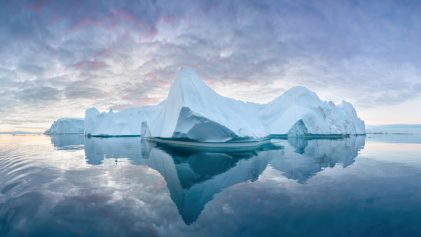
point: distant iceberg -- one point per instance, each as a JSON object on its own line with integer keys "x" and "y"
{"x": 414, "y": 129}
{"x": 66, "y": 126}
{"x": 194, "y": 111}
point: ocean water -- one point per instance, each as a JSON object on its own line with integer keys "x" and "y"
{"x": 75, "y": 186}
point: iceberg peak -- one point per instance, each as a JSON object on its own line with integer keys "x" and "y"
{"x": 192, "y": 109}
{"x": 299, "y": 95}
{"x": 188, "y": 86}
{"x": 300, "y": 91}
{"x": 188, "y": 77}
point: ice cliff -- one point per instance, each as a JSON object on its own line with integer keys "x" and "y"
{"x": 66, "y": 126}
{"x": 194, "y": 111}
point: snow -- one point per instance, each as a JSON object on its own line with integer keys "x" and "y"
{"x": 194, "y": 111}
{"x": 66, "y": 126}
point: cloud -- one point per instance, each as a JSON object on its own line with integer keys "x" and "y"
{"x": 31, "y": 69}
{"x": 83, "y": 89}
{"x": 38, "y": 94}
{"x": 366, "y": 52}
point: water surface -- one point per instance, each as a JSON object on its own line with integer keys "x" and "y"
{"x": 76, "y": 186}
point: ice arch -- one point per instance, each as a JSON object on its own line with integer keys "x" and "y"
{"x": 299, "y": 129}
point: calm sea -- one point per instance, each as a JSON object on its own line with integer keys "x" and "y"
{"x": 75, "y": 186}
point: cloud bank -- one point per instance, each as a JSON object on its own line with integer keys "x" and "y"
{"x": 59, "y": 57}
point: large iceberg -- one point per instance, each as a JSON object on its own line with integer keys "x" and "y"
{"x": 66, "y": 126}
{"x": 194, "y": 111}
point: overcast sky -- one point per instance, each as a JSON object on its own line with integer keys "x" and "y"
{"x": 58, "y": 58}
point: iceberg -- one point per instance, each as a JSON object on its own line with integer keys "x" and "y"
{"x": 411, "y": 129}
{"x": 300, "y": 112}
{"x": 127, "y": 122}
{"x": 66, "y": 126}
{"x": 193, "y": 111}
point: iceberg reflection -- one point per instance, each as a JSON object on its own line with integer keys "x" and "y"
{"x": 98, "y": 149}
{"x": 303, "y": 159}
{"x": 68, "y": 141}
{"x": 194, "y": 177}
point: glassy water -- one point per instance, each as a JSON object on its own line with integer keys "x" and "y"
{"x": 76, "y": 186}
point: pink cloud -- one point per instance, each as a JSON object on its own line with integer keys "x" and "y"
{"x": 90, "y": 65}
{"x": 37, "y": 7}
{"x": 117, "y": 18}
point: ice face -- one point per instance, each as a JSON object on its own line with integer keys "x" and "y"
{"x": 193, "y": 110}
{"x": 66, "y": 126}
{"x": 199, "y": 128}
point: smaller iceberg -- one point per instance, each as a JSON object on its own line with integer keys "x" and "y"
{"x": 300, "y": 112}
{"x": 124, "y": 123}
{"x": 66, "y": 126}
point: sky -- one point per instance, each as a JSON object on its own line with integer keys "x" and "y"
{"x": 58, "y": 58}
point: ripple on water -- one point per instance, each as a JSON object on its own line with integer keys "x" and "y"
{"x": 15, "y": 170}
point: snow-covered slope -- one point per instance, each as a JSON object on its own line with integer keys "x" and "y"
{"x": 193, "y": 110}
{"x": 66, "y": 126}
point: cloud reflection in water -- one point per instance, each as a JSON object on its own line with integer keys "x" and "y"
{"x": 194, "y": 177}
